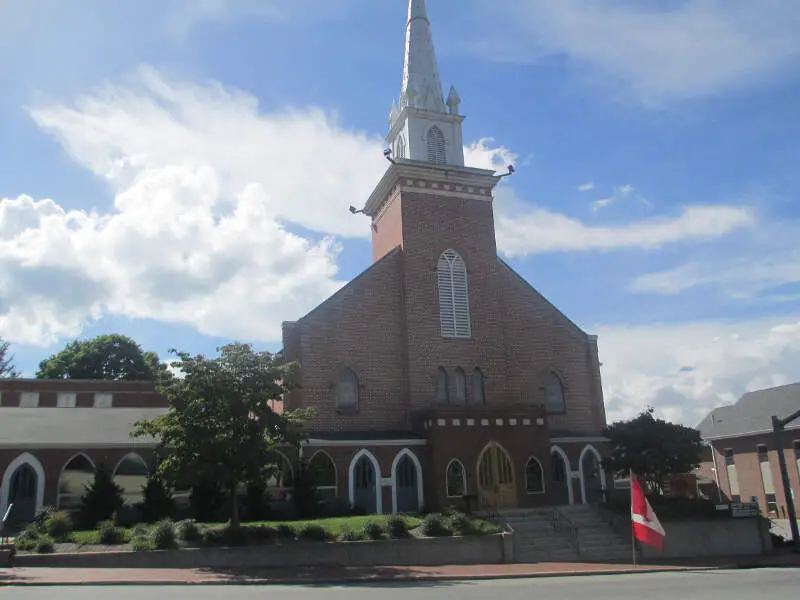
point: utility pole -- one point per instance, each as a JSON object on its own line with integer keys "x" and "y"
{"x": 778, "y": 426}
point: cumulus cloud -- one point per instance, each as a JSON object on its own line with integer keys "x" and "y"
{"x": 586, "y": 187}
{"x": 664, "y": 52}
{"x": 684, "y": 370}
{"x": 526, "y": 229}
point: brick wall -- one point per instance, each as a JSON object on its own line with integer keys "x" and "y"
{"x": 126, "y": 394}
{"x": 748, "y": 468}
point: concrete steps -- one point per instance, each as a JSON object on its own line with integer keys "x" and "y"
{"x": 536, "y": 540}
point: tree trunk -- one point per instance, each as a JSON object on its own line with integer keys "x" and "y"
{"x": 234, "y": 505}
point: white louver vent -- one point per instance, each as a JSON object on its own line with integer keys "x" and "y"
{"x": 453, "y": 296}
{"x": 436, "y": 146}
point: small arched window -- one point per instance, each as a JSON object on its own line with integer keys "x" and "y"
{"x": 461, "y": 388}
{"x": 554, "y": 395}
{"x": 456, "y": 479}
{"x": 131, "y": 475}
{"x": 442, "y": 387}
{"x": 347, "y": 390}
{"x": 401, "y": 147}
{"x": 454, "y": 317}
{"x": 323, "y": 471}
{"x": 534, "y": 476}
{"x": 77, "y": 474}
{"x": 436, "y": 146}
{"x": 478, "y": 393}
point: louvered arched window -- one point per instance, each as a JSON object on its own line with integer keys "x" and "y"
{"x": 401, "y": 147}
{"x": 436, "y": 146}
{"x": 453, "y": 296}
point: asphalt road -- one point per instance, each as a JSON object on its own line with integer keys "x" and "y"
{"x": 775, "y": 584}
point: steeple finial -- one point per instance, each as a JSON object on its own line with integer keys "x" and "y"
{"x": 420, "y": 73}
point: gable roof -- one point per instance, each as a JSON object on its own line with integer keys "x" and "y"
{"x": 752, "y": 413}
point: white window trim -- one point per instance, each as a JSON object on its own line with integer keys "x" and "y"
{"x": 541, "y": 477}
{"x": 418, "y": 467}
{"x": 67, "y": 400}
{"x": 463, "y": 478}
{"x": 352, "y": 481}
{"x": 33, "y": 399}
{"x": 78, "y": 495}
{"x": 567, "y": 471}
{"x": 335, "y": 486}
{"x": 591, "y": 449}
{"x": 98, "y": 395}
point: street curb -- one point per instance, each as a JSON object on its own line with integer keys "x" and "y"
{"x": 387, "y": 580}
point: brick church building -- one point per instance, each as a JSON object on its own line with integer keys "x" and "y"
{"x": 438, "y": 374}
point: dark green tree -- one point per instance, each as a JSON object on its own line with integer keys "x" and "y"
{"x": 652, "y": 449}
{"x": 109, "y": 357}
{"x": 6, "y": 361}
{"x": 220, "y": 425}
{"x": 102, "y": 498}
{"x": 158, "y": 502}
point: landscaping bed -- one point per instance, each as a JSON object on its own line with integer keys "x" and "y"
{"x": 53, "y": 534}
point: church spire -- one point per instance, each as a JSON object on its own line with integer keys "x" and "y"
{"x": 423, "y": 127}
{"x": 422, "y": 87}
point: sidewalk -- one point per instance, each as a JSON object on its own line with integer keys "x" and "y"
{"x": 351, "y": 575}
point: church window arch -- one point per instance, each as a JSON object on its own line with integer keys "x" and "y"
{"x": 401, "y": 147}
{"x": 554, "y": 394}
{"x": 453, "y": 296}
{"x": 436, "y": 146}
{"x": 347, "y": 390}
{"x": 442, "y": 386}
{"x": 460, "y": 388}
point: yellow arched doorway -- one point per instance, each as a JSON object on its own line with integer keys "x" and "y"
{"x": 496, "y": 483}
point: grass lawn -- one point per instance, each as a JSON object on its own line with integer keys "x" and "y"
{"x": 334, "y": 526}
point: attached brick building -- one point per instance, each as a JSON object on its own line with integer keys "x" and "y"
{"x": 53, "y": 433}
{"x": 742, "y": 456}
{"x": 439, "y": 372}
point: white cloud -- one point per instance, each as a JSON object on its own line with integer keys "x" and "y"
{"x": 626, "y": 189}
{"x": 586, "y": 187}
{"x": 525, "y": 229}
{"x": 686, "y": 369}
{"x": 669, "y": 51}
{"x": 739, "y": 278}
{"x": 206, "y": 192}
{"x": 603, "y": 203}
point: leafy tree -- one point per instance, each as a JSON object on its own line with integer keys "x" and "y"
{"x": 102, "y": 499}
{"x": 6, "y": 361}
{"x": 110, "y": 357}
{"x": 653, "y": 449}
{"x": 158, "y": 502}
{"x": 220, "y": 425}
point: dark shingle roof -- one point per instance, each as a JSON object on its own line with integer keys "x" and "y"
{"x": 752, "y": 413}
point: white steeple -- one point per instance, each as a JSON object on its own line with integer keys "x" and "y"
{"x": 422, "y": 126}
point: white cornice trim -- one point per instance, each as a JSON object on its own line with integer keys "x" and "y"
{"x": 315, "y": 442}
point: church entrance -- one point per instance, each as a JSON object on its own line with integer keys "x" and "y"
{"x": 496, "y": 485}
{"x": 406, "y": 482}
{"x": 364, "y": 486}
{"x": 561, "y": 479}
{"x": 22, "y": 494}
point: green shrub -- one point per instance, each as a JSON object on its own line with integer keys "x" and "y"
{"x": 261, "y": 534}
{"x": 461, "y": 524}
{"x": 143, "y": 543}
{"x": 102, "y": 499}
{"x": 158, "y": 501}
{"x": 26, "y": 544}
{"x": 45, "y": 546}
{"x": 235, "y": 536}
{"x": 285, "y": 531}
{"x": 141, "y": 530}
{"x": 434, "y": 525}
{"x": 347, "y": 534}
{"x": 58, "y": 526}
{"x": 396, "y": 527}
{"x": 449, "y": 510}
{"x": 30, "y": 533}
{"x": 214, "y": 536}
{"x": 164, "y": 535}
{"x": 109, "y": 534}
{"x": 373, "y": 530}
{"x": 40, "y": 520}
{"x": 127, "y": 516}
{"x": 189, "y": 531}
{"x": 313, "y": 533}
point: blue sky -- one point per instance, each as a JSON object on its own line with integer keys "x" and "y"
{"x": 180, "y": 171}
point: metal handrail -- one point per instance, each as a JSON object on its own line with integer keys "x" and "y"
{"x": 561, "y": 524}
{"x": 3, "y": 523}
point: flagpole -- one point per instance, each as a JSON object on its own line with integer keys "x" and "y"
{"x": 633, "y": 531}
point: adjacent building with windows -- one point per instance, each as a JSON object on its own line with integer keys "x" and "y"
{"x": 742, "y": 457}
{"x": 439, "y": 372}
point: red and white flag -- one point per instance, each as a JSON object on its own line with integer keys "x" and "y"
{"x": 646, "y": 527}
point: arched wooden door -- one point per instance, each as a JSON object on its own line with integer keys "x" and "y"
{"x": 496, "y": 483}
{"x": 22, "y": 494}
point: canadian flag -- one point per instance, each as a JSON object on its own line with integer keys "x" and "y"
{"x": 646, "y": 527}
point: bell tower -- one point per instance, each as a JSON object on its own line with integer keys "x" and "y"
{"x": 423, "y": 126}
